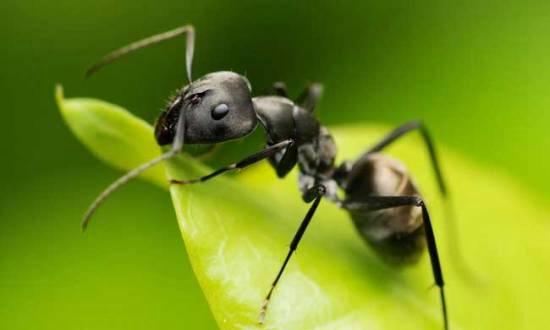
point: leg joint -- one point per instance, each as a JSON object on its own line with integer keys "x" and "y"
{"x": 321, "y": 190}
{"x": 314, "y": 192}
{"x": 419, "y": 202}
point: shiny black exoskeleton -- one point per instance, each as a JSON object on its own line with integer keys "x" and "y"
{"x": 377, "y": 191}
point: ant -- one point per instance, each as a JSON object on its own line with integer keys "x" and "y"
{"x": 380, "y": 196}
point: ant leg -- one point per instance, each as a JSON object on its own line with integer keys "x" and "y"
{"x": 314, "y": 194}
{"x": 252, "y": 159}
{"x": 453, "y": 231}
{"x": 402, "y": 130}
{"x": 279, "y": 89}
{"x": 458, "y": 259}
{"x": 286, "y": 162}
{"x": 373, "y": 203}
{"x": 310, "y": 96}
{"x": 123, "y": 180}
{"x": 189, "y": 30}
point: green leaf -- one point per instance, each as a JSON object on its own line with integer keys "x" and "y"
{"x": 107, "y": 130}
{"x": 237, "y": 230}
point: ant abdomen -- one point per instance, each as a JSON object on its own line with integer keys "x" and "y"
{"x": 397, "y": 234}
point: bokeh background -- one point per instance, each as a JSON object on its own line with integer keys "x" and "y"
{"x": 478, "y": 73}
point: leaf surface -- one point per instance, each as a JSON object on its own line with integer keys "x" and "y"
{"x": 237, "y": 229}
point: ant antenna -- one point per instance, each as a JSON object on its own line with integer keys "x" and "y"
{"x": 177, "y": 146}
{"x": 121, "y": 182}
{"x": 158, "y": 38}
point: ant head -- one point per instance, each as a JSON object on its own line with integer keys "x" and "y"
{"x": 218, "y": 107}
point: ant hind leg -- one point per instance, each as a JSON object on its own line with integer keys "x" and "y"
{"x": 457, "y": 257}
{"x": 373, "y": 203}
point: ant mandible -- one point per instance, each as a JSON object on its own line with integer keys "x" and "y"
{"x": 380, "y": 196}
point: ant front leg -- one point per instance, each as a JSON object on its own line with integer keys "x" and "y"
{"x": 252, "y": 159}
{"x": 373, "y": 203}
{"x": 314, "y": 194}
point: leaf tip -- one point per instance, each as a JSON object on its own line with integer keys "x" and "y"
{"x": 59, "y": 95}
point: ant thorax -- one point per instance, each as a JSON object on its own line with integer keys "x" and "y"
{"x": 316, "y": 163}
{"x": 314, "y": 150}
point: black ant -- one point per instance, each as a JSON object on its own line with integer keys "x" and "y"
{"x": 380, "y": 195}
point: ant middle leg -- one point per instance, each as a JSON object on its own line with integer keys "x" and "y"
{"x": 314, "y": 194}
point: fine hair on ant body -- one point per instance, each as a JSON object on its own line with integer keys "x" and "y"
{"x": 380, "y": 196}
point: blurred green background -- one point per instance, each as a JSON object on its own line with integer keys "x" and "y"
{"x": 478, "y": 72}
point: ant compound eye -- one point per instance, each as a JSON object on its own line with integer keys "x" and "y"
{"x": 220, "y": 111}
